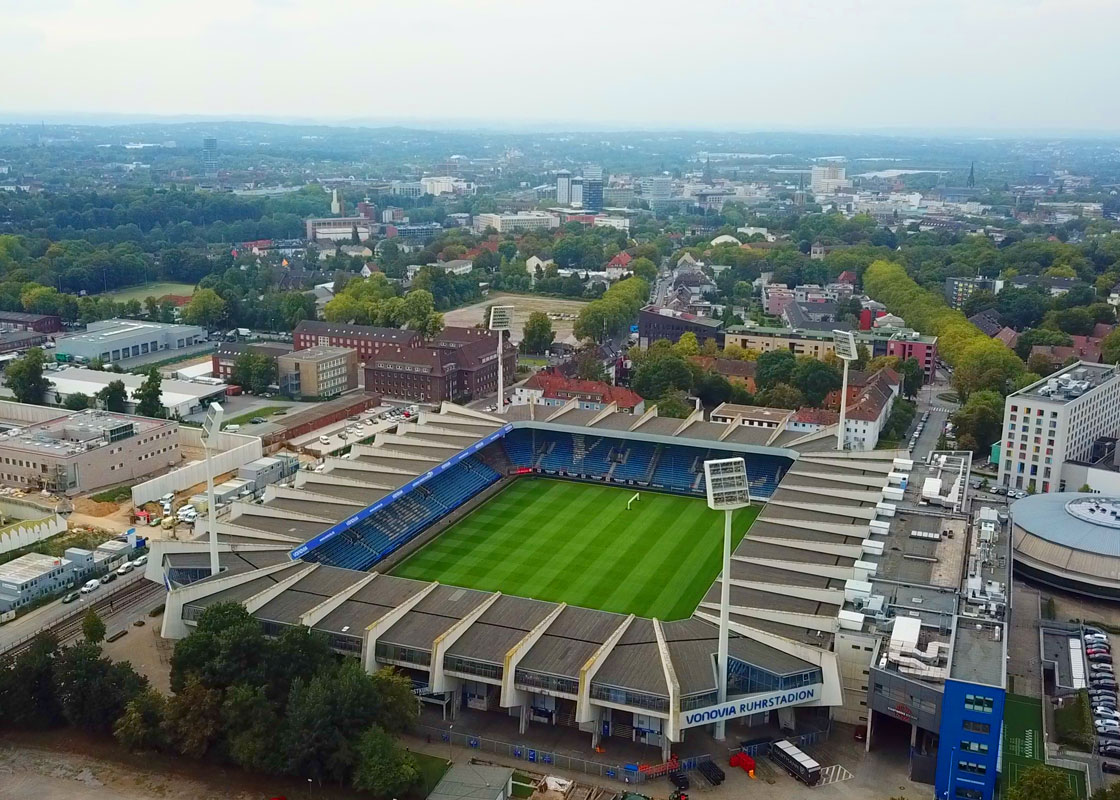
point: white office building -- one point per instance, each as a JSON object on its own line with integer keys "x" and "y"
{"x": 1057, "y": 420}
{"x": 828, "y": 179}
{"x": 521, "y": 221}
{"x": 438, "y": 185}
{"x": 563, "y": 187}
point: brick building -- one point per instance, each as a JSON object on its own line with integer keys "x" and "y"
{"x": 368, "y": 340}
{"x": 458, "y": 364}
{"x": 20, "y": 320}
{"x": 655, "y": 322}
{"x": 226, "y": 353}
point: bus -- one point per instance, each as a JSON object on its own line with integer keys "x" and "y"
{"x": 795, "y": 762}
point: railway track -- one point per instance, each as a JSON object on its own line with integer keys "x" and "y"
{"x": 126, "y": 598}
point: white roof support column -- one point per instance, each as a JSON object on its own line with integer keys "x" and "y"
{"x": 443, "y": 642}
{"x": 518, "y": 651}
{"x": 375, "y": 629}
{"x": 313, "y": 616}
{"x": 591, "y": 666}
{"x": 672, "y": 725}
{"x": 173, "y": 625}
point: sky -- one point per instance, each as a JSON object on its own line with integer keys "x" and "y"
{"x": 825, "y": 65}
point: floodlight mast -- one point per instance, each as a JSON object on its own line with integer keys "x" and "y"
{"x": 844, "y": 345}
{"x": 501, "y": 320}
{"x": 210, "y": 430}
{"x": 727, "y": 486}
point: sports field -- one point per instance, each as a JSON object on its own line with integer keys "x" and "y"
{"x": 576, "y": 543}
{"x": 1023, "y": 746}
{"x": 156, "y": 289}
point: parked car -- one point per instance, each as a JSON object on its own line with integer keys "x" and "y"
{"x": 140, "y": 561}
{"x": 1108, "y": 684}
{"x": 257, "y": 420}
{"x": 167, "y": 498}
{"x": 1110, "y": 750}
{"x": 109, "y": 578}
{"x": 1110, "y": 767}
{"x": 327, "y": 439}
{"x": 125, "y": 568}
{"x": 70, "y": 597}
{"x": 90, "y": 586}
{"x": 1100, "y": 668}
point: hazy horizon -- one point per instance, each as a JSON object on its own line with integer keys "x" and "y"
{"x": 861, "y": 66}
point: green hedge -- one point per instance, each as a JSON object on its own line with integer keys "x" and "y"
{"x": 1073, "y": 723}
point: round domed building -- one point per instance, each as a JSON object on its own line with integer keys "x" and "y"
{"x": 1069, "y": 540}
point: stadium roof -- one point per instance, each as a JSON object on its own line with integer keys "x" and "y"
{"x": 788, "y": 576}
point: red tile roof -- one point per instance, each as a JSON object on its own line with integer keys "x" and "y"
{"x": 558, "y": 387}
{"x": 623, "y": 260}
{"x": 816, "y": 416}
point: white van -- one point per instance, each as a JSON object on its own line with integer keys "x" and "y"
{"x": 232, "y": 428}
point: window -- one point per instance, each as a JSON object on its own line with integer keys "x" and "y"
{"x": 977, "y": 727}
{"x": 975, "y": 702}
{"x": 973, "y": 747}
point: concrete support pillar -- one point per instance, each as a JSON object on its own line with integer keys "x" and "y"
{"x": 787, "y": 719}
{"x": 913, "y": 735}
{"x": 666, "y": 748}
{"x": 524, "y": 726}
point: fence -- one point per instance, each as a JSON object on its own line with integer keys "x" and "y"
{"x": 237, "y": 450}
{"x": 533, "y": 755}
{"x": 761, "y": 748}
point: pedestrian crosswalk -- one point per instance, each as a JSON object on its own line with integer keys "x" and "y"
{"x": 833, "y": 774}
{"x": 943, "y": 409}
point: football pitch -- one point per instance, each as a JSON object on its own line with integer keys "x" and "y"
{"x": 1023, "y": 747}
{"x": 576, "y": 543}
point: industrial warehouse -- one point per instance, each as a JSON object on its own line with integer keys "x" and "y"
{"x": 850, "y": 599}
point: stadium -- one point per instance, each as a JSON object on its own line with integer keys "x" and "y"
{"x": 1069, "y": 540}
{"x": 559, "y": 567}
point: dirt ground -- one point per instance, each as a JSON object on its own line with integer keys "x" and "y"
{"x": 146, "y": 650}
{"x": 62, "y": 765}
{"x": 523, "y": 305}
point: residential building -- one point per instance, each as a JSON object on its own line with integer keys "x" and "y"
{"x": 898, "y": 342}
{"x": 775, "y": 298}
{"x": 551, "y": 388}
{"x": 734, "y": 370}
{"x": 459, "y": 364}
{"x": 656, "y": 187}
{"x": 1055, "y": 420}
{"x": 318, "y": 372}
{"x": 179, "y": 398}
{"x": 86, "y": 450}
{"x": 209, "y": 156}
{"x": 563, "y": 187}
{"x": 113, "y": 340}
{"x": 656, "y": 322}
{"x": 366, "y": 339}
{"x": 438, "y": 185}
{"x": 515, "y": 223}
{"x": 617, "y": 196}
{"x": 575, "y": 191}
{"x": 618, "y": 223}
{"x": 987, "y": 321}
{"x": 19, "y": 320}
{"x": 828, "y": 179}
{"x": 456, "y": 266}
{"x": 415, "y": 233}
{"x": 958, "y": 290}
{"x": 871, "y": 399}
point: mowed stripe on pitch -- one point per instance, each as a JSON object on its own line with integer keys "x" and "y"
{"x": 577, "y": 543}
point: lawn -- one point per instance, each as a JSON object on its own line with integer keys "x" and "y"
{"x": 266, "y": 412}
{"x": 156, "y": 289}
{"x": 576, "y": 543}
{"x": 432, "y": 769}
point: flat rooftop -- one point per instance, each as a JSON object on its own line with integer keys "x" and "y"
{"x": 76, "y": 432}
{"x": 110, "y": 330}
{"x": 978, "y": 652}
{"x": 1068, "y": 384}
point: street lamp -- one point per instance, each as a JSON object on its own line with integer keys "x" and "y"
{"x": 728, "y": 489}
{"x": 501, "y": 320}
{"x": 844, "y": 345}
{"x": 210, "y": 430}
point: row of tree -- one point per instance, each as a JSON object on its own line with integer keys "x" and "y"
{"x": 284, "y": 705}
{"x": 375, "y": 301}
{"x": 613, "y": 313}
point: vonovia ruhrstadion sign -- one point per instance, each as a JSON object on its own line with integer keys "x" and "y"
{"x": 755, "y": 704}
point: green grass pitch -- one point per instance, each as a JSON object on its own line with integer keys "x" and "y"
{"x": 576, "y": 543}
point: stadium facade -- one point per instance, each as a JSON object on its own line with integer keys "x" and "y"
{"x": 819, "y": 586}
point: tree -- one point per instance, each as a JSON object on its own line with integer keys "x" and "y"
{"x": 985, "y": 364}
{"x": 589, "y": 365}
{"x": 254, "y": 372}
{"x": 644, "y": 269}
{"x": 93, "y": 629}
{"x": 814, "y": 379}
{"x": 140, "y": 727}
{"x": 77, "y": 401}
{"x": 149, "y": 397}
{"x": 537, "y": 335}
{"x": 780, "y": 395}
{"x": 384, "y": 768}
{"x": 206, "y": 308}
{"x": 113, "y": 397}
{"x": 775, "y": 366}
{"x": 27, "y": 693}
{"x": 25, "y": 377}
{"x": 1110, "y": 347}
{"x": 980, "y": 421}
{"x": 687, "y": 345}
{"x": 863, "y": 355}
{"x": 193, "y": 720}
{"x": 912, "y": 377}
{"x": 653, "y": 379}
{"x": 395, "y": 706}
{"x": 712, "y": 389}
{"x": 93, "y": 691}
{"x": 253, "y": 729}
{"x": 1041, "y": 783}
{"x": 674, "y": 403}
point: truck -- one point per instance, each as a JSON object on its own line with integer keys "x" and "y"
{"x": 790, "y": 758}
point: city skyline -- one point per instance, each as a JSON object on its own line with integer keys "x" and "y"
{"x": 756, "y": 66}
